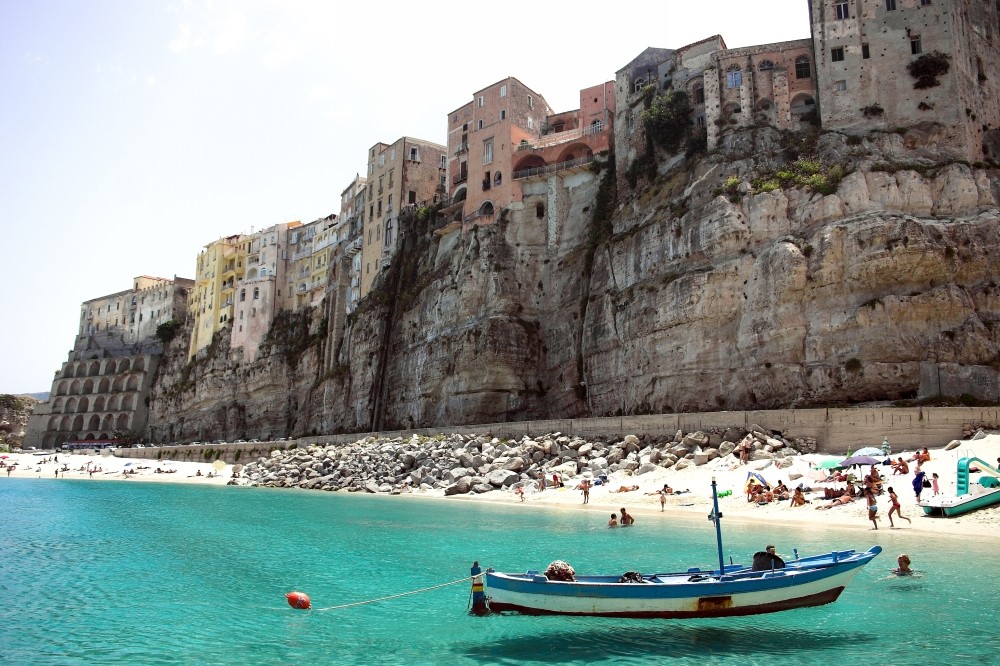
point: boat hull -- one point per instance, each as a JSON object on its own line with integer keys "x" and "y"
{"x": 682, "y": 595}
{"x": 956, "y": 506}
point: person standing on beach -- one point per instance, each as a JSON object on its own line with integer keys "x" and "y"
{"x": 918, "y": 482}
{"x": 872, "y": 508}
{"x": 663, "y": 498}
{"x": 895, "y": 508}
{"x": 934, "y": 483}
{"x": 585, "y": 486}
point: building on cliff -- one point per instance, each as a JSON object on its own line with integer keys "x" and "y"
{"x": 405, "y": 173}
{"x": 259, "y": 292}
{"x": 309, "y": 248}
{"x": 352, "y": 224}
{"x": 869, "y": 65}
{"x": 219, "y": 266}
{"x": 100, "y": 392}
{"x": 883, "y": 64}
{"x": 511, "y": 134}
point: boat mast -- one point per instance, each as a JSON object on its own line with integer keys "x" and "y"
{"x": 716, "y": 517}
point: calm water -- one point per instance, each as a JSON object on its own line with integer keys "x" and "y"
{"x": 133, "y": 573}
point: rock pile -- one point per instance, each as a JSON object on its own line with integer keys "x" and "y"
{"x": 481, "y": 463}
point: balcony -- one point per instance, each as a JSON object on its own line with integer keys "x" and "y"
{"x": 548, "y": 169}
{"x": 461, "y": 148}
{"x": 458, "y": 180}
{"x": 562, "y": 137}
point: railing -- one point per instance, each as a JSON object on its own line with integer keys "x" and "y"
{"x": 458, "y": 180}
{"x": 552, "y": 168}
{"x": 461, "y": 148}
{"x": 562, "y": 137}
{"x": 477, "y": 215}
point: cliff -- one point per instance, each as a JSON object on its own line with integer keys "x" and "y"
{"x": 750, "y": 278}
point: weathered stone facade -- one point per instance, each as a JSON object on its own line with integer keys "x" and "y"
{"x": 101, "y": 392}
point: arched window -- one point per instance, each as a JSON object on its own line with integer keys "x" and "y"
{"x": 497, "y": 179}
{"x": 699, "y": 94}
{"x": 765, "y": 65}
{"x": 639, "y": 83}
{"x": 256, "y": 293}
{"x": 802, "y": 68}
{"x": 734, "y": 77}
{"x": 243, "y": 295}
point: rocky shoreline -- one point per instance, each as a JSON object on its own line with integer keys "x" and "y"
{"x": 479, "y": 464}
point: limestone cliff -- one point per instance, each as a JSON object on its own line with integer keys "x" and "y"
{"x": 750, "y": 278}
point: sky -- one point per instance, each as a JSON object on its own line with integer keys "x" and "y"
{"x": 134, "y": 132}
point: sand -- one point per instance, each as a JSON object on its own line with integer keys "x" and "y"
{"x": 643, "y": 502}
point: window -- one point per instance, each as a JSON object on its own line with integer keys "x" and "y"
{"x": 842, "y": 12}
{"x": 765, "y": 65}
{"x": 381, "y": 160}
{"x": 840, "y": 86}
{"x": 503, "y": 114}
{"x": 243, "y": 295}
{"x": 531, "y": 102}
{"x": 444, "y": 162}
{"x": 488, "y": 151}
{"x": 802, "y": 69}
{"x": 890, "y": 5}
{"x": 412, "y": 197}
{"x": 699, "y": 121}
{"x": 497, "y": 179}
{"x": 915, "y": 47}
{"x": 699, "y": 94}
{"x": 639, "y": 83}
{"x": 539, "y": 210}
{"x": 480, "y": 101}
{"x": 837, "y": 54}
{"x": 734, "y": 77}
{"x": 480, "y": 125}
{"x": 414, "y": 154}
{"x": 865, "y": 53}
{"x": 503, "y": 91}
{"x": 256, "y": 293}
{"x": 388, "y": 232}
{"x": 531, "y": 123}
{"x": 925, "y": 3}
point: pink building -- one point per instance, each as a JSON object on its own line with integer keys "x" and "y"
{"x": 508, "y": 133}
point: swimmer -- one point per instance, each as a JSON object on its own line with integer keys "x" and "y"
{"x": 904, "y": 565}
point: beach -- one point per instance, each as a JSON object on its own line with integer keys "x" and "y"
{"x": 692, "y": 486}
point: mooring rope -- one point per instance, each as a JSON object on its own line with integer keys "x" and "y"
{"x": 394, "y": 596}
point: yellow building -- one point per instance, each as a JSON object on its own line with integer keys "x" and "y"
{"x": 219, "y": 266}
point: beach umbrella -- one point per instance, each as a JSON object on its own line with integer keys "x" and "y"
{"x": 128, "y": 464}
{"x": 859, "y": 460}
{"x": 828, "y": 464}
{"x": 219, "y": 465}
{"x": 869, "y": 451}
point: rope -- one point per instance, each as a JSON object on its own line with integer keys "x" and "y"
{"x": 394, "y": 596}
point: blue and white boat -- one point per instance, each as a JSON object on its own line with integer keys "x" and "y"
{"x": 770, "y": 585}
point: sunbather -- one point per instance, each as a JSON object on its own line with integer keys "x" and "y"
{"x": 840, "y": 501}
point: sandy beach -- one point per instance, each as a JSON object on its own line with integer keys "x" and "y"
{"x": 693, "y": 503}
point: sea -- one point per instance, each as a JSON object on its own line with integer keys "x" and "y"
{"x": 156, "y": 573}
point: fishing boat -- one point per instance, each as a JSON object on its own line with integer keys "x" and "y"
{"x": 967, "y": 496}
{"x": 769, "y": 585}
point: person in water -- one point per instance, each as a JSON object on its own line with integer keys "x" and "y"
{"x": 614, "y": 520}
{"x": 903, "y": 564}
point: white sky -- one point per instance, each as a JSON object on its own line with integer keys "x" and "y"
{"x": 134, "y": 132}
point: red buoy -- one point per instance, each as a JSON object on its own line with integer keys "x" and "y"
{"x": 298, "y": 600}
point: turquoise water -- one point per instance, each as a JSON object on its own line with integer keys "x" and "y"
{"x": 133, "y": 573}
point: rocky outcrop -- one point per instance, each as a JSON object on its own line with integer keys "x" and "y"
{"x": 721, "y": 285}
{"x": 477, "y": 464}
{"x": 14, "y": 413}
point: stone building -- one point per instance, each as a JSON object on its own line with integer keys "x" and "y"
{"x": 407, "y": 172}
{"x": 864, "y": 50}
{"x": 99, "y": 394}
{"x": 259, "y": 294}
{"x": 852, "y": 74}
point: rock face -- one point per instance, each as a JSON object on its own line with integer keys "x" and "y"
{"x": 702, "y": 291}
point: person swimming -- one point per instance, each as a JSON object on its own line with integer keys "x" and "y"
{"x": 903, "y": 562}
